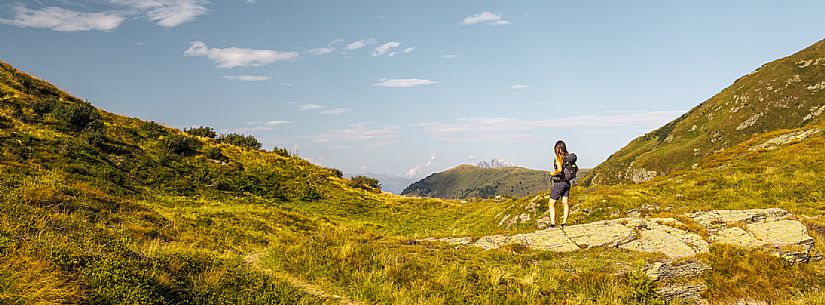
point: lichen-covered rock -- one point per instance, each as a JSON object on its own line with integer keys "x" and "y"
{"x": 711, "y": 219}
{"x": 786, "y": 139}
{"x": 553, "y": 240}
{"x": 745, "y": 228}
{"x": 789, "y": 238}
{"x": 663, "y": 271}
{"x": 735, "y": 236}
{"x": 600, "y": 234}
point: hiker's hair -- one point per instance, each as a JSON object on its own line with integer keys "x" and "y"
{"x": 560, "y": 148}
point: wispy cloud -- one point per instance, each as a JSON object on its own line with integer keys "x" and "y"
{"x": 485, "y": 18}
{"x": 385, "y": 48}
{"x": 335, "y": 111}
{"x": 321, "y": 51}
{"x": 247, "y": 78}
{"x": 418, "y": 169}
{"x": 167, "y": 13}
{"x": 355, "y": 45}
{"x": 325, "y": 50}
{"x": 238, "y": 57}
{"x": 258, "y": 126}
{"x": 276, "y": 123}
{"x": 63, "y": 20}
{"x": 408, "y": 50}
{"x": 518, "y": 86}
{"x": 305, "y": 107}
{"x": 504, "y": 128}
{"x": 449, "y": 56}
{"x": 403, "y": 82}
{"x": 359, "y": 132}
{"x": 309, "y": 106}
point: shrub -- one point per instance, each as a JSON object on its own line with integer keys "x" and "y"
{"x": 367, "y": 183}
{"x": 180, "y": 144}
{"x": 240, "y": 140}
{"x": 214, "y": 153}
{"x": 77, "y": 116}
{"x": 337, "y": 172}
{"x": 281, "y": 152}
{"x": 202, "y": 131}
{"x": 152, "y": 129}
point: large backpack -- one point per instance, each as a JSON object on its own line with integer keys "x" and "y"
{"x": 569, "y": 169}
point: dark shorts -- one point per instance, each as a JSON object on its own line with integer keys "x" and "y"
{"x": 560, "y": 189}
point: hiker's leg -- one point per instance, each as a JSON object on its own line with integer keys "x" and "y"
{"x": 551, "y": 204}
{"x": 564, "y": 201}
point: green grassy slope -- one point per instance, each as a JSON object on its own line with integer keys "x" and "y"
{"x": 467, "y": 181}
{"x": 97, "y": 208}
{"x": 784, "y": 94}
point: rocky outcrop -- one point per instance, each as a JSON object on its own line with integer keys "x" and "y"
{"x": 787, "y": 138}
{"x": 678, "y": 276}
{"x": 771, "y": 229}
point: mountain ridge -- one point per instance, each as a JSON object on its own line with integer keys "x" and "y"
{"x": 786, "y": 93}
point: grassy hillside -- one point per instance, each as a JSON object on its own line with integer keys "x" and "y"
{"x": 467, "y": 181}
{"x": 784, "y": 94}
{"x": 97, "y": 208}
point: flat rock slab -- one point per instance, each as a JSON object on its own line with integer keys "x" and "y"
{"x": 710, "y": 218}
{"x": 781, "y": 233}
{"x": 660, "y": 241}
{"x": 551, "y": 240}
{"x": 735, "y": 236}
{"x": 600, "y": 234}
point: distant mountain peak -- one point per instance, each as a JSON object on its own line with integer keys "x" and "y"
{"x": 495, "y": 163}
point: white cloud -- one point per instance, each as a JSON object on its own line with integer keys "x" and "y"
{"x": 355, "y": 45}
{"x": 238, "y": 57}
{"x": 326, "y": 50}
{"x": 358, "y": 132}
{"x": 450, "y": 56}
{"x": 248, "y": 78}
{"x": 518, "y": 86}
{"x": 310, "y": 106}
{"x": 335, "y": 111}
{"x": 63, "y": 20}
{"x": 417, "y": 170}
{"x": 485, "y": 18}
{"x": 167, "y": 13}
{"x": 403, "y": 82}
{"x": 408, "y": 50}
{"x": 511, "y": 129}
{"x": 321, "y": 51}
{"x": 276, "y": 123}
{"x": 384, "y": 48}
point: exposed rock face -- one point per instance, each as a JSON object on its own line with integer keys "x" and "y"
{"x": 769, "y": 228}
{"x": 787, "y": 138}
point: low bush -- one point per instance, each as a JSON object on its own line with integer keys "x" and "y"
{"x": 247, "y": 141}
{"x": 202, "y": 131}
{"x": 366, "y": 183}
{"x": 180, "y": 144}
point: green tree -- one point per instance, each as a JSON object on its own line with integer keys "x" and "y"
{"x": 202, "y": 131}
{"x": 180, "y": 144}
{"x": 240, "y": 140}
{"x": 367, "y": 183}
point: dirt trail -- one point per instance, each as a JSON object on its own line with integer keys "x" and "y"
{"x": 309, "y": 288}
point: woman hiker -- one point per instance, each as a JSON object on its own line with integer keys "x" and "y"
{"x": 561, "y": 186}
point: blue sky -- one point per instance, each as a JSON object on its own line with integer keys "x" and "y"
{"x": 406, "y": 87}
